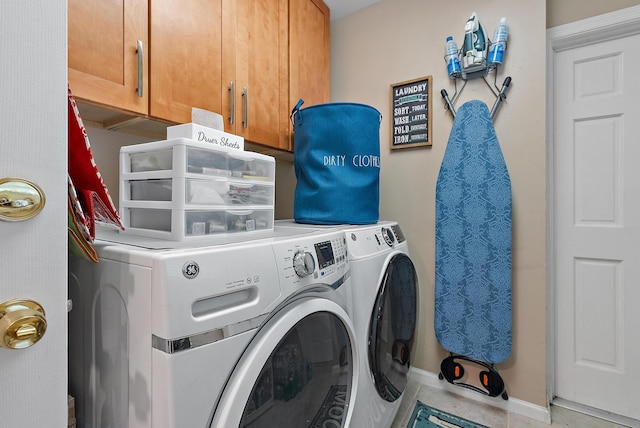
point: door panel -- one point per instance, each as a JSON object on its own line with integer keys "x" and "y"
{"x": 33, "y": 140}
{"x": 108, "y": 62}
{"x": 597, "y": 222}
{"x": 262, "y": 68}
{"x": 392, "y": 328}
{"x": 310, "y": 51}
{"x": 186, "y": 63}
{"x": 104, "y": 70}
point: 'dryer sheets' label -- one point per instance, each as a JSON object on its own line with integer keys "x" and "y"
{"x": 222, "y": 140}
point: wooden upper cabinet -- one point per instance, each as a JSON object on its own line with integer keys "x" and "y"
{"x": 248, "y": 60}
{"x": 186, "y": 58}
{"x": 309, "y": 40}
{"x": 103, "y": 58}
{"x": 261, "y": 83}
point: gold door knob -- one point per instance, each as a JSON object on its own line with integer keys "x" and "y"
{"x": 20, "y": 199}
{"x": 22, "y": 323}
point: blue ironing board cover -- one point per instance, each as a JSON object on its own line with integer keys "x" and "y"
{"x": 473, "y": 241}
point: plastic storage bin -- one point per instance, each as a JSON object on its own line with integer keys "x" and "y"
{"x": 182, "y": 189}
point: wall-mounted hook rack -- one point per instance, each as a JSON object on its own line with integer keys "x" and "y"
{"x": 478, "y": 57}
{"x": 500, "y": 96}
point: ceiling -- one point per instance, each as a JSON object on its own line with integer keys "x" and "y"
{"x": 340, "y": 8}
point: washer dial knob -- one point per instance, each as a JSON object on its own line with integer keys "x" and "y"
{"x": 304, "y": 264}
{"x": 387, "y": 234}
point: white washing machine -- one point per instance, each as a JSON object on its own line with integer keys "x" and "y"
{"x": 238, "y": 334}
{"x": 385, "y": 302}
{"x": 384, "y": 313}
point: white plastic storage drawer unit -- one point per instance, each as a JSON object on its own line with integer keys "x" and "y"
{"x": 181, "y": 189}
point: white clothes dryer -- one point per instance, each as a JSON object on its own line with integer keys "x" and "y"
{"x": 251, "y": 333}
{"x": 385, "y": 302}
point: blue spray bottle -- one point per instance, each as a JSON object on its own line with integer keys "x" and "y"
{"x": 451, "y": 58}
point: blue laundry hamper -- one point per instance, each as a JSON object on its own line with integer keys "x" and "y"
{"x": 337, "y": 163}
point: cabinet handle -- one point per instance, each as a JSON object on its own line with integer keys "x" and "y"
{"x": 232, "y": 94}
{"x": 245, "y": 107}
{"x": 140, "y": 68}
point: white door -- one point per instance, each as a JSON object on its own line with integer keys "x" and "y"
{"x": 33, "y": 141}
{"x": 597, "y": 225}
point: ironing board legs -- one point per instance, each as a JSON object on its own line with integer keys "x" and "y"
{"x": 448, "y": 101}
{"x": 454, "y": 372}
{"x": 501, "y": 96}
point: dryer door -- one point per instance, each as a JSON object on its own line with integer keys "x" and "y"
{"x": 392, "y": 327}
{"x": 298, "y": 371}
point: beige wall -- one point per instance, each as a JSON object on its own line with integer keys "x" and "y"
{"x": 564, "y": 11}
{"x": 285, "y": 187}
{"x": 399, "y": 40}
{"x": 105, "y": 146}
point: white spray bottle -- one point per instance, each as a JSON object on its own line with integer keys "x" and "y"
{"x": 499, "y": 45}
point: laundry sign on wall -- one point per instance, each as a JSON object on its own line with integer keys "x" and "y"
{"x": 411, "y": 113}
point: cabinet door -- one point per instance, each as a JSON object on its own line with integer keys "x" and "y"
{"x": 309, "y": 52}
{"x": 262, "y": 86}
{"x": 103, "y": 61}
{"x": 309, "y": 44}
{"x": 186, "y": 62}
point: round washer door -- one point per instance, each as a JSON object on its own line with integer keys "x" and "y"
{"x": 392, "y": 327}
{"x": 297, "y": 371}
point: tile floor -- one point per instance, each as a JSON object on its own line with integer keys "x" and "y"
{"x": 487, "y": 415}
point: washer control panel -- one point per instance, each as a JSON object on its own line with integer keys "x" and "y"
{"x": 313, "y": 259}
{"x": 366, "y": 240}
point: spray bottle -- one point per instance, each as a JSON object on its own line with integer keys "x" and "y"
{"x": 451, "y": 57}
{"x": 496, "y": 54}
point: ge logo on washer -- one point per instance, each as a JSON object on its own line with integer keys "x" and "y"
{"x": 190, "y": 270}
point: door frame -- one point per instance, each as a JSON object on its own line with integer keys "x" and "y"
{"x": 624, "y": 22}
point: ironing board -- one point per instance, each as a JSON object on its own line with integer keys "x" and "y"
{"x": 473, "y": 241}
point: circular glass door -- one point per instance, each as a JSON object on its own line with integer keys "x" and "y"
{"x": 297, "y": 372}
{"x": 392, "y": 327}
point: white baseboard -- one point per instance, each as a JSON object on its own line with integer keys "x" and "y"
{"x": 524, "y": 408}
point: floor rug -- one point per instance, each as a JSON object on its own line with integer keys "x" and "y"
{"x": 429, "y": 417}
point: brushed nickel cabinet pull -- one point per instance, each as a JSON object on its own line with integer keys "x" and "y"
{"x": 245, "y": 101}
{"x": 232, "y": 94}
{"x": 140, "y": 68}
